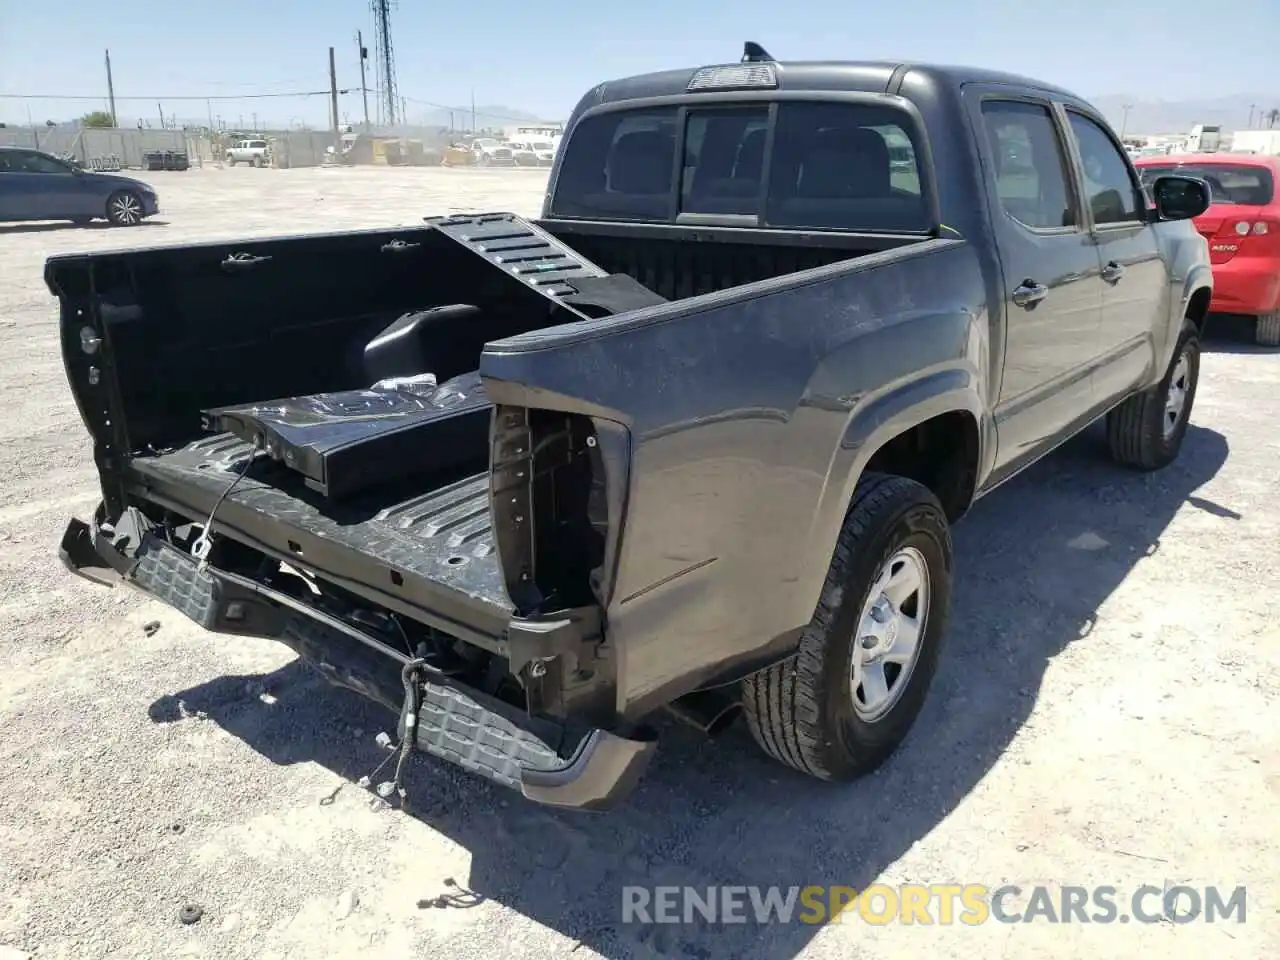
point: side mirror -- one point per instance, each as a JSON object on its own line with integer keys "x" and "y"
{"x": 1179, "y": 198}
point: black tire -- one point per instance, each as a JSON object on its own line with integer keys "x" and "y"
{"x": 257, "y": 162}
{"x": 802, "y": 711}
{"x": 1136, "y": 430}
{"x": 1267, "y": 332}
{"x": 124, "y": 209}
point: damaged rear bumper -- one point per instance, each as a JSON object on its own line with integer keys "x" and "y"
{"x": 546, "y": 760}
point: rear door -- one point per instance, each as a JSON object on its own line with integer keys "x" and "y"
{"x": 1052, "y": 288}
{"x": 1135, "y": 281}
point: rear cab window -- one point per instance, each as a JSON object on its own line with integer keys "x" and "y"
{"x": 801, "y": 164}
{"x": 1033, "y": 184}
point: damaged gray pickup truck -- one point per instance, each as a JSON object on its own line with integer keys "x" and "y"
{"x": 693, "y": 441}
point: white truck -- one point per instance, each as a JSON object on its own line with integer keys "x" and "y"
{"x": 254, "y": 152}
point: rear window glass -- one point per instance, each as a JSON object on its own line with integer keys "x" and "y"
{"x": 833, "y": 166}
{"x": 845, "y": 166}
{"x": 724, "y": 160}
{"x": 618, "y": 166}
{"x": 1228, "y": 183}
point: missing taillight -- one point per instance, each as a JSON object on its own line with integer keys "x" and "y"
{"x": 557, "y": 488}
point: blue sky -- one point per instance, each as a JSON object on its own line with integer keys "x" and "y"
{"x": 541, "y": 55}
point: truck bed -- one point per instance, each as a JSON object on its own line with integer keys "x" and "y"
{"x": 428, "y": 555}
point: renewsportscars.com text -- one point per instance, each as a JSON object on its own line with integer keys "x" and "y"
{"x": 939, "y": 903}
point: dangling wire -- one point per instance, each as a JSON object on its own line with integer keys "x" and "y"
{"x": 203, "y": 544}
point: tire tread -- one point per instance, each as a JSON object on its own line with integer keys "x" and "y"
{"x": 1267, "y": 333}
{"x": 780, "y": 703}
{"x": 1134, "y": 428}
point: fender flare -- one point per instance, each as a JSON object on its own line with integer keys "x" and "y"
{"x": 1199, "y": 277}
{"x": 875, "y": 421}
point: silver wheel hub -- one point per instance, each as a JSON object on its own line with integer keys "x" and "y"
{"x": 890, "y": 631}
{"x": 127, "y": 209}
{"x": 1175, "y": 401}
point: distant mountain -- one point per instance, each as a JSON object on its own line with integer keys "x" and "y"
{"x": 1179, "y": 116}
{"x": 486, "y": 115}
{"x": 1145, "y": 116}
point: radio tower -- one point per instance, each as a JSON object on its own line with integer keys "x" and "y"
{"x": 389, "y": 100}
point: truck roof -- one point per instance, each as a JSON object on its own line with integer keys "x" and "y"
{"x": 820, "y": 76}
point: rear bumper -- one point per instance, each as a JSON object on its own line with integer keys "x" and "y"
{"x": 1249, "y": 285}
{"x": 547, "y": 761}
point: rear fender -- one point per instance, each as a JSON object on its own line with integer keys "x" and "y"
{"x": 747, "y": 413}
{"x": 878, "y": 420}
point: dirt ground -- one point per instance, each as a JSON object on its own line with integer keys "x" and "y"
{"x": 1105, "y": 713}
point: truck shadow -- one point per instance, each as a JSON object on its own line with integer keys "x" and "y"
{"x": 1035, "y": 562}
{"x": 51, "y": 226}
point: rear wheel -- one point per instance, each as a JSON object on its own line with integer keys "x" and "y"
{"x": 124, "y": 209}
{"x": 1267, "y": 333}
{"x": 1146, "y": 431}
{"x": 843, "y": 703}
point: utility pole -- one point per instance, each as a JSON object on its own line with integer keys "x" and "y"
{"x": 364, "y": 87}
{"x": 1124, "y": 124}
{"x": 111, "y": 92}
{"x": 333, "y": 97}
{"x": 160, "y": 110}
{"x": 1251, "y": 109}
{"x": 473, "y": 110}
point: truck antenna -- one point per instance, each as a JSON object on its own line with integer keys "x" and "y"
{"x": 752, "y": 52}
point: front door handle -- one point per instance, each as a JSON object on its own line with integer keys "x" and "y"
{"x": 1029, "y": 293}
{"x": 1112, "y": 272}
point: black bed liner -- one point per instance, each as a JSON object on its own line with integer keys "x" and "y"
{"x": 430, "y": 556}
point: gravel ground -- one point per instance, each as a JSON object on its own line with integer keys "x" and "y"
{"x": 1105, "y": 712}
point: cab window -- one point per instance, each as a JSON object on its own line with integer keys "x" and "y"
{"x": 1110, "y": 188}
{"x": 1029, "y": 164}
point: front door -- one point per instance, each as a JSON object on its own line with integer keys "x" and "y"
{"x": 1134, "y": 277}
{"x": 43, "y": 188}
{"x": 9, "y": 202}
{"x": 1052, "y": 288}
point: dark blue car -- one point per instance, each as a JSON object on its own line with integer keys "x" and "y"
{"x": 37, "y": 186}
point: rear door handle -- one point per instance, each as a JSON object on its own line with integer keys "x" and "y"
{"x": 1029, "y": 293}
{"x": 1112, "y": 272}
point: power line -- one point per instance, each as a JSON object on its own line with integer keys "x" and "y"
{"x": 240, "y": 96}
{"x": 298, "y": 94}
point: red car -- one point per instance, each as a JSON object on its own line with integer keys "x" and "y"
{"x": 1242, "y": 226}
